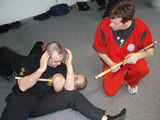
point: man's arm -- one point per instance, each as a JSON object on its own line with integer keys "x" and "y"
{"x": 109, "y": 61}
{"x": 134, "y": 57}
{"x": 70, "y": 79}
{"x": 30, "y": 80}
{"x": 148, "y": 53}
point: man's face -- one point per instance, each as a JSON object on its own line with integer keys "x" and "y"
{"x": 116, "y": 24}
{"x": 55, "y": 60}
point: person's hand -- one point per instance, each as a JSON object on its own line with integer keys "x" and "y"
{"x": 69, "y": 57}
{"x": 44, "y": 61}
{"x": 131, "y": 58}
{"x": 114, "y": 69}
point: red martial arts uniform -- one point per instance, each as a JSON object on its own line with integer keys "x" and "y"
{"x": 117, "y": 45}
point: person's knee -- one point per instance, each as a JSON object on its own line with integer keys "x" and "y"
{"x": 142, "y": 67}
{"x": 110, "y": 91}
{"x": 144, "y": 70}
{"x": 2, "y": 51}
{"x": 39, "y": 43}
{"x": 58, "y": 82}
{"x": 80, "y": 82}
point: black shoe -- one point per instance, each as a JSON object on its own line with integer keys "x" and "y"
{"x": 15, "y": 25}
{"x": 6, "y": 77}
{"x": 120, "y": 116}
{"x": 70, "y": 7}
{"x": 101, "y": 8}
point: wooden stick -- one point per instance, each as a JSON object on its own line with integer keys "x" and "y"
{"x": 42, "y": 79}
{"x": 120, "y": 63}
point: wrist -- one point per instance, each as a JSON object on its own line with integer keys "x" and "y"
{"x": 141, "y": 55}
{"x": 40, "y": 71}
{"x": 69, "y": 64}
{"x": 111, "y": 63}
{"x": 69, "y": 67}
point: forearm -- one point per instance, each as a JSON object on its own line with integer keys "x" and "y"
{"x": 106, "y": 58}
{"x": 147, "y": 53}
{"x": 29, "y": 80}
{"x": 70, "y": 79}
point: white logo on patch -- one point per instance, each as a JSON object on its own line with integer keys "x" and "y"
{"x": 131, "y": 47}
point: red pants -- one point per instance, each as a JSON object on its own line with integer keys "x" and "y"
{"x": 113, "y": 81}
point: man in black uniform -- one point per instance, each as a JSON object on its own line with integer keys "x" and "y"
{"x": 10, "y": 60}
{"x": 34, "y": 98}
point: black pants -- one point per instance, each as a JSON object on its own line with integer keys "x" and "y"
{"x": 20, "y": 106}
{"x": 101, "y": 2}
{"x": 10, "y": 59}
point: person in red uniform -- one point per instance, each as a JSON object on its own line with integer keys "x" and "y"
{"x": 120, "y": 36}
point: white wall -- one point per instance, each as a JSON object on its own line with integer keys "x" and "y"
{"x": 14, "y": 10}
{"x": 156, "y": 3}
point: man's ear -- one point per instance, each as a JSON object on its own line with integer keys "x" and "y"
{"x": 128, "y": 23}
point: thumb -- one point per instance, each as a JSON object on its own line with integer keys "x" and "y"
{"x": 127, "y": 56}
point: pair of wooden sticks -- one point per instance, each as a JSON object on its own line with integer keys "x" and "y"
{"x": 106, "y": 71}
{"x": 120, "y": 63}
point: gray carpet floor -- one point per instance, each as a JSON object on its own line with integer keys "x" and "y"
{"x": 76, "y": 31}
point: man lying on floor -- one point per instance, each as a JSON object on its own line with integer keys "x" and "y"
{"x": 10, "y": 60}
{"x": 33, "y": 98}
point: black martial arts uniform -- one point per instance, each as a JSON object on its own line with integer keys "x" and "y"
{"x": 10, "y": 59}
{"x": 41, "y": 99}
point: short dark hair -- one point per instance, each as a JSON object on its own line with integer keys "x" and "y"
{"x": 54, "y": 47}
{"x": 124, "y": 9}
